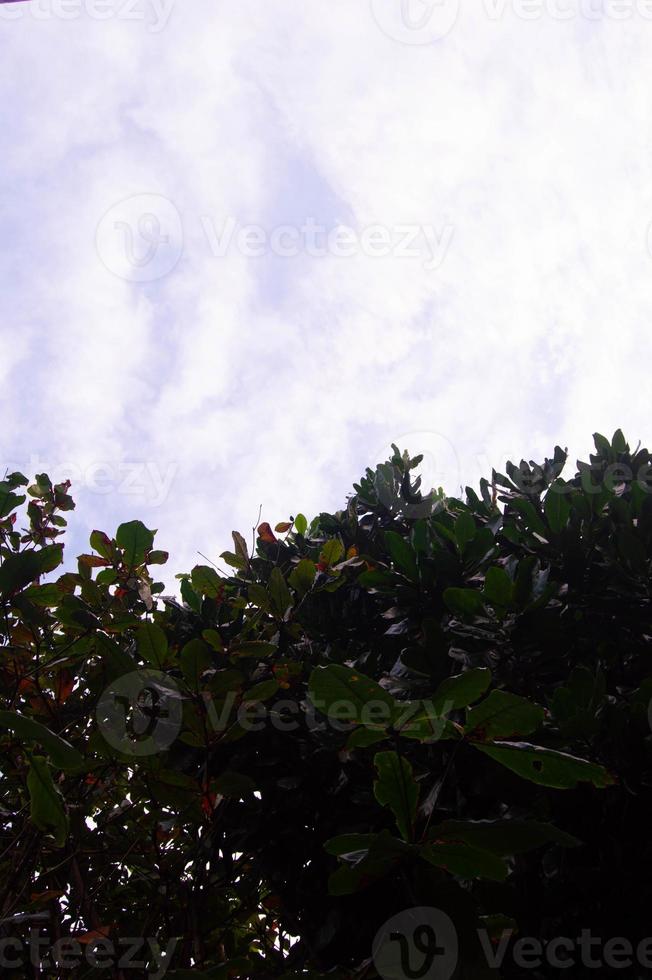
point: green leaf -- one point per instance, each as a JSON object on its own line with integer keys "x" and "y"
{"x": 9, "y": 501}
{"x": 102, "y": 543}
{"x": 421, "y": 720}
{"x": 528, "y": 511}
{"x": 157, "y": 557}
{"x": 464, "y": 602}
{"x": 464, "y": 860}
{"x": 332, "y": 552}
{"x": 349, "y": 844}
{"x": 16, "y": 479}
{"x": 42, "y": 487}
{"x": 396, "y": 788}
{"x": 258, "y": 596}
{"x": 465, "y": 529}
{"x": 108, "y": 576}
{"x": 235, "y": 561}
{"x": 234, "y": 784}
{"x": 300, "y": 524}
{"x": 530, "y": 583}
{"x": 503, "y": 715}
{"x": 115, "y": 660}
{"x": 347, "y": 695}
{"x": 362, "y": 738}
{"x": 557, "y": 506}
{"x": 545, "y": 766}
{"x": 213, "y": 639}
{"x": 17, "y": 571}
{"x": 62, "y": 753}
{"x": 47, "y": 808}
{"x": 240, "y": 546}
{"x": 262, "y": 691}
{"x": 575, "y": 706}
{"x": 419, "y": 536}
{"x": 227, "y": 680}
{"x": 498, "y": 587}
{"x": 152, "y": 644}
{"x": 302, "y": 576}
{"x": 206, "y": 581}
{"x": 618, "y": 442}
{"x": 367, "y": 865}
{"x": 462, "y": 689}
{"x": 253, "y": 648}
{"x": 602, "y": 445}
{"x": 403, "y": 555}
{"x": 378, "y": 579}
{"x": 354, "y": 847}
{"x": 50, "y": 557}
{"x": 135, "y": 540}
{"x": 503, "y": 837}
{"x": 44, "y": 595}
{"x": 189, "y": 595}
{"x": 279, "y": 593}
{"x": 194, "y": 659}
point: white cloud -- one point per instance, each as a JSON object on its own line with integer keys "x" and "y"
{"x": 275, "y": 380}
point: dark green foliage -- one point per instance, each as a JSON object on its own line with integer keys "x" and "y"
{"x": 415, "y": 701}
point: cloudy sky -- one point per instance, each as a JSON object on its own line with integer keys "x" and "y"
{"x": 246, "y": 246}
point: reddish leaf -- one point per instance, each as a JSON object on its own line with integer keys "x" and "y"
{"x": 64, "y": 684}
{"x": 93, "y": 935}
{"x": 94, "y": 561}
{"x": 265, "y": 533}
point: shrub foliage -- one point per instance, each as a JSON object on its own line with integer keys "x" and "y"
{"x": 415, "y": 701}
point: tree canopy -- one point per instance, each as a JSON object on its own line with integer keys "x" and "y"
{"x": 418, "y": 701}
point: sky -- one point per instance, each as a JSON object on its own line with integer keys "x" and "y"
{"x": 246, "y": 246}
